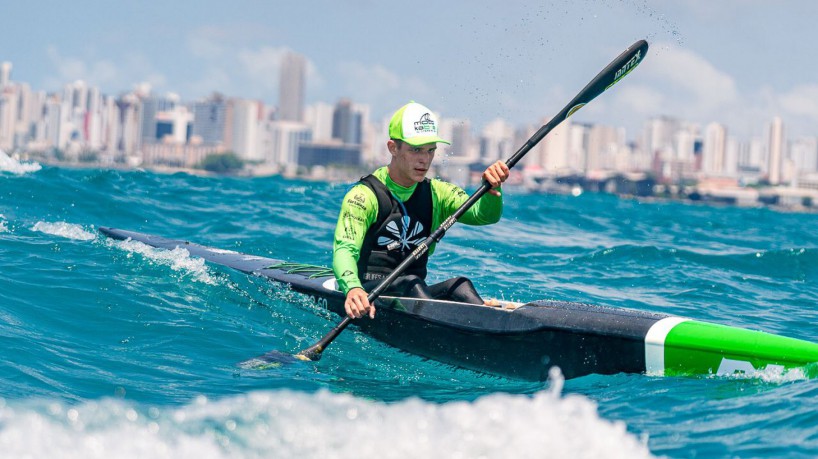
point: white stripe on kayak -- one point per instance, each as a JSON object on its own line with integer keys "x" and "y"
{"x": 655, "y": 345}
{"x": 330, "y": 284}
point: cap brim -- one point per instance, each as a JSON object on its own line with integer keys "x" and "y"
{"x": 423, "y": 140}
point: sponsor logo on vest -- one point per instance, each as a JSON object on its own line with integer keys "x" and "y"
{"x": 402, "y": 238}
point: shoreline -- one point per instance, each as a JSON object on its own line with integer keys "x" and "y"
{"x": 718, "y": 197}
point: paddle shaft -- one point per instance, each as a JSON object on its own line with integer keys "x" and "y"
{"x": 613, "y": 72}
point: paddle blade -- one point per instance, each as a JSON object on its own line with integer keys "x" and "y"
{"x": 311, "y": 354}
{"x": 270, "y": 360}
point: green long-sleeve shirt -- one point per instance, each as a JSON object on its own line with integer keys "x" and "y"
{"x": 359, "y": 210}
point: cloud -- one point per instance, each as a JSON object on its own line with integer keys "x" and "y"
{"x": 641, "y": 100}
{"x": 801, "y": 101}
{"x": 381, "y": 87}
{"x": 682, "y": 83}
{"x": 262, "y": 66}
{"x": 692, "y": 84}
{"x": 260, "y": 69}
{"x": 208, "y": 43}
{"x": 106, "y": 74}
{"x": 70, "y": 69}
{"x": 213, "y": 79}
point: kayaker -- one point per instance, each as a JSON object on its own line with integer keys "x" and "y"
{"x": 388, "y": 213}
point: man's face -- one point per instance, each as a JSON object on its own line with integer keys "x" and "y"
{"x": 409, "y": 163}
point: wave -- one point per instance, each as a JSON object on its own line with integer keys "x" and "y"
{"x": 294, "y": 424}
{"x": 63, "y": 229}
{"x": 178, "y": 259}
{"x": 794, "y": 263}
{"x": 9, "y": 164}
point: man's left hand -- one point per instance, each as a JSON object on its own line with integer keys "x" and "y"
{"x": 495, "y": 175}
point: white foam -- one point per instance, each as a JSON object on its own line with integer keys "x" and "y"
{"x": 63, "y": 229}
{"x": 320, "y": 425}
{"x": 178, "y": 259}
{"x": 774, "y": 374}
{"x": 3, "y": 227}
{"x": 9, "y": 164}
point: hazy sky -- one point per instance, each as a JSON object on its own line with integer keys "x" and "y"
{"x": 736, "y": 62}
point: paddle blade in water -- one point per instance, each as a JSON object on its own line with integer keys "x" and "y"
{"x": 269, "y": 361}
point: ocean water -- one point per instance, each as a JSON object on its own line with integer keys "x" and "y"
{"x": 112, "y": 349}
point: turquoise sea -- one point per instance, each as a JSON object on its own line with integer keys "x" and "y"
{"x": 114, "y": 350}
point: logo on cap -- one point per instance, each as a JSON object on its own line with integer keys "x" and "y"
{"x": 425, "y": 124}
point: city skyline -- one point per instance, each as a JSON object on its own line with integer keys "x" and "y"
{"x": 737, "y": 63}
{"x": 82, "y": 125}
{"x": 143, "y": 128}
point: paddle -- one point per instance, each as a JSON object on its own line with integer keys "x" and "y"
{"x": 615, "y": 71}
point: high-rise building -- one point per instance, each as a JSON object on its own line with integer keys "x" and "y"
{"x": 8, "y": 117}
{"x": 246, "y": 115}
{"x": 347, "y": 123}
{"x": 659, "y": 136}
{"x": 173, "y": 127}
{"x": 92, "y": 124}
{"x": 291, "y": 87}
{"x": 57, "y": 123}
{"x": 151, "y": 106}
{"x": 714, "y": 151}
{"x": 129, "y": 118}
{"x": 328, "y": 154}
{"x": 109, "y": 119}
{"x": 210, "y": 119}
{"x": 279, "y": 142}
{"x": 577, "y": 149}
{"x": 776, "y": 151}
{"x": 731, "y": 157}
{"x": 5, "y": 74}
{"x": 37, "y": 139}
{"x": 458, "y": 131}
{"x": 804, "y": 153}
{"x": 496, "y": 141}
{"x": 556, "y": 146}
{"x": 319, "y": 118}
{"x": 604, "y": 145}
{"x": 23, "y": 124}
{"x": 76, "y": 95}
{"x": 753, "y": 157}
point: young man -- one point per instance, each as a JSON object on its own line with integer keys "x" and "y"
{"x": 388, "y": 213}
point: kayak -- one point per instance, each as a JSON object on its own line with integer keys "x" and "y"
{"x": 524, "y": 340}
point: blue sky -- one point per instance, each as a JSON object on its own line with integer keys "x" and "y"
{"x": 735, "y": 62}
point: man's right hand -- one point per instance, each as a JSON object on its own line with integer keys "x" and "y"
{"x": 357, "y": 304}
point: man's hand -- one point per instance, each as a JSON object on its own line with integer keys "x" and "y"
{"x": 495, "y": 175}
{"x": 357, "y": 304}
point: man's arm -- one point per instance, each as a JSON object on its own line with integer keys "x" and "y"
{"x": 359, "y": 209}
{"x": 487, "y": 210}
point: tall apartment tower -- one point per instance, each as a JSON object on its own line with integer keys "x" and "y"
{"x": 210, "y": 120}
{"x": 291, "y": 87}
{"x": 347, "y": 123}
{"x": 714, "y": 151}
{"x": 151, "y": 106}
{"x": 246, "y": 116}
{"x": 776, "y": 151}
{"x": 5, "y": 74}
{"x": 319, "y": 118}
